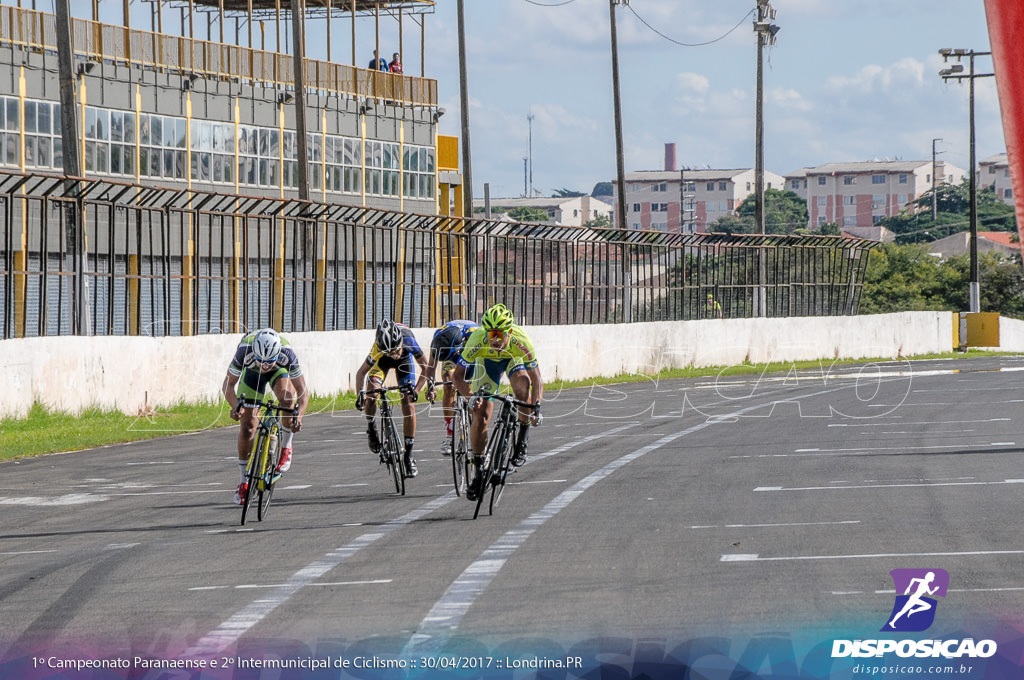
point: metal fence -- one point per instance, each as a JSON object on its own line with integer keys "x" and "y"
{"x": 105, "y": 258}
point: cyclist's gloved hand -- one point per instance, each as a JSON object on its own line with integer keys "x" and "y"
{"x": 236, "y": 412}
{"x": 360, "y": 400}
{"x": 536, "y": 417}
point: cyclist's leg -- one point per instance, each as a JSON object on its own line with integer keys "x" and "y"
{"x": 520, "y": 382}
{"x": 375, "y": 380}
{"x": 447, "y": 406}
{"x": 250, "y": 386}
{"x": 486, "y": 377}
{"x": 285, "y": 392}
{"x": 406, "y": 374}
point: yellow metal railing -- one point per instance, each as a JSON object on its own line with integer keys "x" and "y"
{"x": 34, "y": 30}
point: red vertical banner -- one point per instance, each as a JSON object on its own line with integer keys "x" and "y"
{"x": 1006, "y": 35}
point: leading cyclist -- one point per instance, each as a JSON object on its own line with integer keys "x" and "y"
{"x": 264, "y": 359}
{"x": 499, "y": 346}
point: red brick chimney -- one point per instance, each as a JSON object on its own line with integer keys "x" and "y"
{"x": 670, "y": 157}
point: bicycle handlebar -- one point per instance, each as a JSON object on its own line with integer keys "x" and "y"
{"x": 507, "y": 399}
{"x": 383, "y": 390}
{"x": 269, "y": 405}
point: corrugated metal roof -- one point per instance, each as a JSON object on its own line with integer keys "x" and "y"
{"x": 316, "y": 6}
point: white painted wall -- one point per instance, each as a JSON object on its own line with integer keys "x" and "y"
{"x": 128, "y": 373}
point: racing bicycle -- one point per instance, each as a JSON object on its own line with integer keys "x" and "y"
{"x": 391, "y": 442}
{"x": 261, "y": 471}
{"x": 497, "y": 463}
{"x": 462, "y": 458}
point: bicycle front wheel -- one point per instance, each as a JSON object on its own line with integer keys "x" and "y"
{"x": 269, "y": 477}
{"x": 492, "y": 461}
{"x": 393, "y": 451}
{"x": 460, "y": 451}
{"x": 502, "y": 467}
{"x": 252, "y": 477}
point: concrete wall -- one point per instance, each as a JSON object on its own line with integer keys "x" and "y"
{"x": 131, "y": 373}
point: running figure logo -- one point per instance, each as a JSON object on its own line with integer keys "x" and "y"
{"x": 914, "y": 610}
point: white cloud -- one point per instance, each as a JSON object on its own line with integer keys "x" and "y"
{"x": 874, "y": 78}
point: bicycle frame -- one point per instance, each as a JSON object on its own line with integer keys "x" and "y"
{"x": 261, "y": 469}
{"x": 497, "y": 463}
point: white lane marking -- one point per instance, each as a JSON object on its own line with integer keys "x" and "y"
{"x": 249, "y": 586}
{"x": 804, "y": 453}
{"x": 796, "y": 558}
{"x": 46, "y": 501}
{"x": 26, "y": 552}
{"x": 295, "y": 487}
{"x": 885, "y": 486}
{"x": 779, "y": 524}
{"x": 945, "y": 422}
{"x": 342, "y": 486}
{"x": 227, "y": 633}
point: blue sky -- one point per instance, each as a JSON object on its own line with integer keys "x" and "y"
{"x": 848, "y": 80}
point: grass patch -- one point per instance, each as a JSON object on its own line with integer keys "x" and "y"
{"x": 44, "y": 431}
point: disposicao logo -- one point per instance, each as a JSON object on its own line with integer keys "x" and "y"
{"x": 914, "y": 610}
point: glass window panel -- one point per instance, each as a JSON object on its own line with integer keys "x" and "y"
{"x": 179, "y": 133}
{"x": 264, "y": 144}
{"x": 261, "y": 178}
{"x": 102, "y": 157}
{"x": 144, "y": 129}
{"x": 43, "y": 150}
{"x": 116, "y": 126}
{"x": 144, "y": 160}
{"x": 195, "y": 166}
{"x": 205, "y": 135}
{"x": 30, "y": 116}
{"x": 30, "y": 150}
{"x": 273, "y": 165}
{"x": 43, "y": 119}
{"x": 102, "y": 124}
{"x": 179, "y": 164}
{"x": 127, "y": 160}
{"x": 58, "y": 152}
{"x": 217, "y": 135}
{"x": 155, "y": 161}
{"x": 129, "y": 128}
{"x": 90, "y": 121}
{"x": 156, "y": 130}
{"x": 275, "y": 144}
{"x": 426, "y": 186}
{"x": 169, "y": 131}
{"x": 204, "y": 167}
{"x": 289, "y": 145}
{"x": 217, "y": 167}
{"x": 115, "y": 159}
{"x": 229, "y": 167}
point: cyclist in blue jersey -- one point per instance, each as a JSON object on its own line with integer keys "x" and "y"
{"x": 394, "y": 348}
{"x": 446, "y": 348}
{"x": 264, "y": 359}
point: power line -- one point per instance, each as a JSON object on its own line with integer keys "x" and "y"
{"x": 682, "y": 44}
{"x": 544, "y": 4}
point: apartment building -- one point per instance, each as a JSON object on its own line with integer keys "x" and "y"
{"x": 995, "y": 171}
{"x": 688, "y": 201}
{"x": 861, "y": 194}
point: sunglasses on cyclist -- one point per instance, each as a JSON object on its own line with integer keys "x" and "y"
{"x": 495, "y": 334}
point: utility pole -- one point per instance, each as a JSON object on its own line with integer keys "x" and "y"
{"x": 956, "y": 72}
{"x": 765, "y": 36}
{"x": 467, "y": 166}
{"x": 526, "y": 185}
{"x": 935, "y": 197}
{"x": 620, "y": 171}
{"x": 298, "y": 57}
{"x": 74, "y": 217}
{"x": 529, "y": 118}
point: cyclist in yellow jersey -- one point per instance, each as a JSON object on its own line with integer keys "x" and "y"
{"x": 497, "y": 347}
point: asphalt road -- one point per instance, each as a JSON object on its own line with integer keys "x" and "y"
{"x": 649, "y": 513}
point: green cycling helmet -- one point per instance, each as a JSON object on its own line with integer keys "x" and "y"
{"x": 498, "y": 318}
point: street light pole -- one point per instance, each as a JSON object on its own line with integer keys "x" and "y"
{"x": 765, "y": 36}
{"x": 956, "y": 72}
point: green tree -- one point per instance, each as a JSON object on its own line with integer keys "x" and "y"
{"x": 599, "y": 222}
{"x": 526, "y": 214}
{"x": 909, "y": 278}
{"x": 785, "y": 212}
{"x": 566, "y": 193}
{"x": 953, "y": 214}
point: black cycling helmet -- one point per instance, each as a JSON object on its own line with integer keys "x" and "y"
{"x": 389, "y": 336}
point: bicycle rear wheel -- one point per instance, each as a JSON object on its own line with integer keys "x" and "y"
{"x": 460, "y": 450}
{"x": 393, "y": 451}
{"x": 252, "y": 476}
{"x": 269, "y": 478}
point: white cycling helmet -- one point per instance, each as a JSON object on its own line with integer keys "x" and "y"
{"x": 266, "y": 345}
